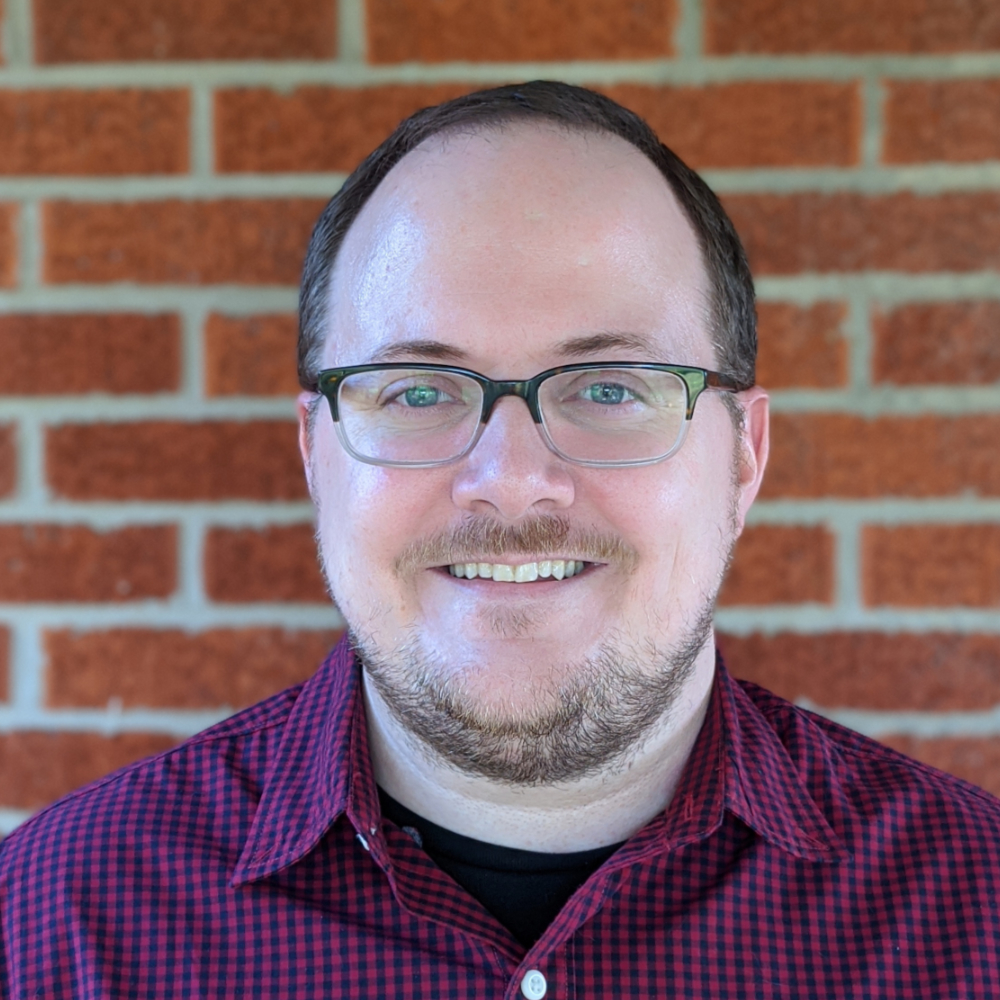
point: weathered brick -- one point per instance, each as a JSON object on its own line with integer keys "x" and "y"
{"x": 780, "y": 564}
{"x": 234, "y": 240}
{"x": 83, "y": 31}
{"x": 8, "y": 460}
{"x": 922, "y": 672}
{"x": 776, "y": 26}
{"x": 56, "y": 354}
{"x": 313, "y": 128}
{"x": 937, "y": 342}
{"x": 37, "y": 767}
{"x": 270, "y": 564}
{"x": 151, "y": 668}
{"x": 950, "y": 120}
{"x": 753, "y": 123}
{"x": 839, "y": 454}
{"x": 511, "y": 30}
{"x": 931, "y": 565}
{"x": 54, "y": 562}
{"x": 801, "y": 346}
{"x": 8, "y": 246}
{"x": 171, "y": 460}
{"x": 791, "y": 233}
{"x": 251, "y": 355}
{"x": 94, "y": 131}
{"x": 974, "y": 758}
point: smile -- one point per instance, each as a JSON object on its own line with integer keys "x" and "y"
{"x": 556, "y": 569}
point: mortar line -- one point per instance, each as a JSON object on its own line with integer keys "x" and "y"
{"x": 847, "y": 580}
{"x": 873, "y": 124}
{"x": 193, "y": 318}
{"x": 201, "y": 133}
{"x": 31, "y": 252}
{"x": 27, "y": 668}
{"x": 32, "y": 489}
{"x": 18, "y": 34}
{"x": 352, "y": 35}
{"x": 190, "y": 559}
{"x": 859, "y": 333}
{"x": 11, "y": 819}
{"x": 689, "y": 30}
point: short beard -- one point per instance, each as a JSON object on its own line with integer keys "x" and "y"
{"x": 599, "y": 717}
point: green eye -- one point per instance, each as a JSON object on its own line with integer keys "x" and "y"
{"x": 422, "y": 395}
{"x": 607, "y": 393}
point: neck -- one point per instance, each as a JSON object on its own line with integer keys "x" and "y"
{"x": 595, "y": 811}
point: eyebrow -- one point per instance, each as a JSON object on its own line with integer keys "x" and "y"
{"x": 598, "y": 343}
{"x": 406, "y": 349}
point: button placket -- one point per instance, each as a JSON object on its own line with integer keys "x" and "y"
{"x": 533, "y": 985}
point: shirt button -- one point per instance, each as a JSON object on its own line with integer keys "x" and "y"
{"x": 533, "y": 986}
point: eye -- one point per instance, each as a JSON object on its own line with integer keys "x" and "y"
{"x": 422, "y": 395}
{"x": 607, "y": 393}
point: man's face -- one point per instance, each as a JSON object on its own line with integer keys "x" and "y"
{"x": 511, "y": 252}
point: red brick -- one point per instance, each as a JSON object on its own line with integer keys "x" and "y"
{"x": 5, "y": 640}
{"x": 974, "y": 758}
{"x": 38, "y": 767}
{"x": 779, "y": 564}
{"x": 839, "y": 454}
{"x": 53, "y": 562}
{"x": 8, "y": 460}
{"x": 313, "y": 128}
{"x": 777, "y": 26}
{"x": 83, "y": 31}
{"x": 938, "y": 342}
{"x": 511, "y": 30}
{"x": 801, "y": 346}
{"x": 951, "y": 120}
{"x": 271, "y": 564}
{"x": 149, "y": 668}
{"x": 168, "y": 460}
{"x": 932, "y": 672}
{"x": 76, "y": 353}
{"x": 8, "y": 246}
{"x": 189, "y": 242}
{"x": 753, "y": 123}
{"x": 94, "y": 131}
{"x": 791, "y": 233}
{"x": 251, "y": 355}
{"x": 931, "y": 565}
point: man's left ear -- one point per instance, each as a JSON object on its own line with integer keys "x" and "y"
{"x": 304, "y": 405}
{"x": 754, "y": 444}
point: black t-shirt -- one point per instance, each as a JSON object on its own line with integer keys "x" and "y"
{"x": 524, "y": 890}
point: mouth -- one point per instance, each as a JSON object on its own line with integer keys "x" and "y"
{"x": 543, "y": 569}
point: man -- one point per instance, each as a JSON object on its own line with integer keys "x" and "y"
{"x": 532, "y": 434}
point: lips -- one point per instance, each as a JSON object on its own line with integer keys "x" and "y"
{"x": 544, "y": 569}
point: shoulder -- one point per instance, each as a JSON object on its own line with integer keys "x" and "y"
{"x": 206, "y": 787}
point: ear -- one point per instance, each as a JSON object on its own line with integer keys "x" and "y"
{"x": 304, "y": 404}
{"x": 753, "y": 449}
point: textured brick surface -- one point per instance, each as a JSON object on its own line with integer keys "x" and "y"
{"x": 8, "y": 459}
{"x": 8, "y": 245}
{"x": 777, "y": 26}
{"x": 150, "y": 668}
{"x": 937, "y": 342}
{"x": 169, "y": 460}
{"x": 270, "y": 564}
{"x": 251, "y": 355}
{"x": 189, "y": 242}
{"x": 753, "y": 123}
{"x": 37, "y": 767}
{"x": 931, "y": 565}
{"x": 932, "y": 672}
{"x": 974, "y": 758}
{"x": 834, "y": 454}
{"x": 951, "y": 120}
{"x": 313, "y": 128}
{"x": 51, "y": 562}
{"x": 88, "y": 31}
{"x": 789, "y": 233}
{"x": 491, "y": 30}
{"x": 61, "y": 355}
{"x": 801, "y": 346}
{"x": 93, "y": 131}
{"x": 775, "y": 564}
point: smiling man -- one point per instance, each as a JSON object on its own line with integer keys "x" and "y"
{"x": 531, "y": 432}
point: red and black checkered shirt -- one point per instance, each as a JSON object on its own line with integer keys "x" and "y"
{"x": 797, "y": 860}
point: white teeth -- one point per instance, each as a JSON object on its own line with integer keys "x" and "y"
{"x": 557, "y": 569}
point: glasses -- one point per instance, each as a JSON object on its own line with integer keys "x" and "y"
{"x": 419, "y": 416}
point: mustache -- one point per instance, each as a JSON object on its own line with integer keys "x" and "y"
{"x": 479, "y": 537}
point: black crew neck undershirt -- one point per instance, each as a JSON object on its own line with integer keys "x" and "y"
{"x": 524, "y": 890}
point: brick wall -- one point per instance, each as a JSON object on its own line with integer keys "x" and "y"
{"x": 161, "y": 162}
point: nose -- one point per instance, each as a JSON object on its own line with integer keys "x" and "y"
{"x": 511, "y": 472}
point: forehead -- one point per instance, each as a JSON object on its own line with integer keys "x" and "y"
{"x": 506, "y": 242}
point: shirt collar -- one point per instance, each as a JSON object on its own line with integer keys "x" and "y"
{"x": 321, "y": 770}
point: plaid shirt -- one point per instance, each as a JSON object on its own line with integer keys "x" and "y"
{"x": 797, "y": 860}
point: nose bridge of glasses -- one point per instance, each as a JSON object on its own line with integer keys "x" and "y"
{"x": 527, "y": 390}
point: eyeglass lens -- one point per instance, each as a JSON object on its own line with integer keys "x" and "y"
{"x": 600, "y": 415}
